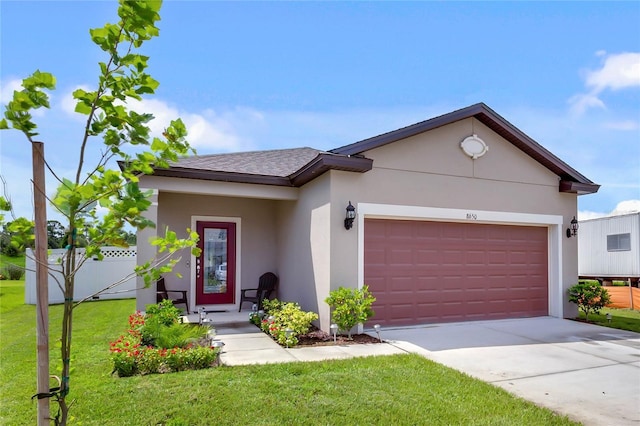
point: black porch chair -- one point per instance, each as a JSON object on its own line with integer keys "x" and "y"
{"x": 266, "y": 285}
{"x": 162, "y": 293}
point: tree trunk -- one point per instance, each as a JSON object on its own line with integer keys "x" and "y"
{"x": 67, "y": 323}
{"x": 42, "y": 282}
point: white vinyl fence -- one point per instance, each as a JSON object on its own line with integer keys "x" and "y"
{"x": 92, "y": 277}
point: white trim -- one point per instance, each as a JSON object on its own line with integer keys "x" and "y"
{"x": 225, "y": 189}
{"x": 192, "y": 284}
{"x": 552, "y": 222}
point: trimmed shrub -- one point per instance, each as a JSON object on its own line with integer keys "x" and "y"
{"x": 590, "y": 297}
{"x": 350, "y": 307}
{"x": 13, "y": 272}
{"x": 288, "y": 322}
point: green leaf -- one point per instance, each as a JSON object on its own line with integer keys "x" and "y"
{"x": 39, "y": 80}
{"x": 83, "y": 108}
{"x": 158, "y": 145}
{"x": 3, "y": 124}
{"x": 5, "y": 205}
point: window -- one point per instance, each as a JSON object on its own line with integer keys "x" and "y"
{"x": 619, "y": 242}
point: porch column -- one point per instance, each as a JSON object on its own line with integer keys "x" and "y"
{"x": 145, "y": 252}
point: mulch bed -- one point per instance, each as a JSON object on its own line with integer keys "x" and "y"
{"x": 317, "y": 337}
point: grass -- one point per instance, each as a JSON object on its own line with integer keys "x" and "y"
{"x": 18, "y": 260}
{"x": 623, "y": 319}
{"x": 399, "y": 389}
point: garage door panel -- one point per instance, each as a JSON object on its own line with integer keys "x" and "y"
{"x": 475, "y": 257}
{"x": 440, "y": 272}
{"x": 376, "y": 257}
{"x": 497, "y": 257}
{"x": 399, "y": 257}
{"x": 427, "y": 257}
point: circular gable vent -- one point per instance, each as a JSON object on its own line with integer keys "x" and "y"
{"x": 474, "y": 147}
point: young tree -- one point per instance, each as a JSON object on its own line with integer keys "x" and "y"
{"x": 590, "y": 297}
{"x": 121, "y": 78}
{"x": 350, "y": 307}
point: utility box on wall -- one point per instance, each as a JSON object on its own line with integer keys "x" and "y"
{"x": 93, "y": 276}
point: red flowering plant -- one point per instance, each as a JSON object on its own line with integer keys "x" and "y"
{"x": 125, "y": 351}
{"x": 175, "y": 347}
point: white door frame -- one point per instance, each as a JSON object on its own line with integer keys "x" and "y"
{"x": 192, "y": 284}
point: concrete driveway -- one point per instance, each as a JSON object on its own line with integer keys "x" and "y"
{"x": 588, "y": 372}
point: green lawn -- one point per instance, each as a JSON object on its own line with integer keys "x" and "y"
{"x": 18, "y": 260}
{"x": 400, "y": 389}
{"x": 623, "y": 319}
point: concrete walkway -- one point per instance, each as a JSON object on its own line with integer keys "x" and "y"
{"x": 587, "y": 372}
{"x": 244, "y": 344}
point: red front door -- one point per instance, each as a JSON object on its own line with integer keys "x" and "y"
{"x": 216, "y": 265}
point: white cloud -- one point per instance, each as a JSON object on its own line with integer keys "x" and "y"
{"x": 206, "y": 129}
{"x": 627, "y": 206}
{"x": 582, "y": 102}
{"x": 586, "y": 215}
{"x": 623, "y": 207}
{"x": 7, "y": 88}
{"x": 618, "y": 71}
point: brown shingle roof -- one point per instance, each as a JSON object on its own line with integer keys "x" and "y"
{"x": 278, "y": 162}
{"x": 282, "y": 167}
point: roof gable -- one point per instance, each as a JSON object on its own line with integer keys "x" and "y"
{"x": 570, "y": 179}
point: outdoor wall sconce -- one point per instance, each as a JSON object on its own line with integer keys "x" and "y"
{"x": 572, "y": 231}
{"x": 351, "y": 215}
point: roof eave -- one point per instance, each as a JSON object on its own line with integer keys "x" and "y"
{"x": 578, "y": 187}
{"x": 406, "y": 132}
{"x": 184, "y": 173}
{"x": 316, "y": 167}
{"x": 326, "y": 161}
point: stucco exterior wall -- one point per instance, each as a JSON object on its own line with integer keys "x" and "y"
{"x": 304, "y": 250}
{"x": 431, "y": 170}
{"x": 146, "y": 252}
{"x": 258, "y": 223}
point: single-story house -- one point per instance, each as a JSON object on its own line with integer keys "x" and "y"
{"x": 457, "y": 218}
{"x": 609, "y": 248}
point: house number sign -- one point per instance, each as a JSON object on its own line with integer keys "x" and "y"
{"x": 472, "y": 216}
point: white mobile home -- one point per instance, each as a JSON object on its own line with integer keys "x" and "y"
{"x": 609, "y": 248}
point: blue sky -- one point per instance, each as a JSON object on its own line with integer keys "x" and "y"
{"x": 267, "y": 75}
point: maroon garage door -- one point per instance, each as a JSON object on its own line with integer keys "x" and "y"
{"x": 428, "y": 272}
